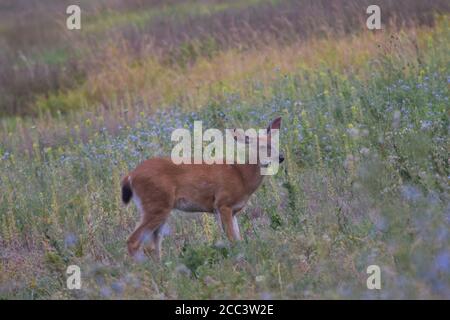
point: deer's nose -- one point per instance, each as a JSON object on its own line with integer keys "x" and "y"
{"x": 281, "y": 158}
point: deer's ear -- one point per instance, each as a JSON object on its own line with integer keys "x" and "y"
{"x": 275, "y": 124}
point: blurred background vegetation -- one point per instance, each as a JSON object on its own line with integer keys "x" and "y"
{"x": 365, "y": 116}
{"x": 47, "y": 68}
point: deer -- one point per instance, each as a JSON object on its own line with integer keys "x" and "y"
{"x": 158, "y": 185}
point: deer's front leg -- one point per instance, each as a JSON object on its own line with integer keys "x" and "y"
{"x": 229, "y": 223}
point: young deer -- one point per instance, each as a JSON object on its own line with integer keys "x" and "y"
{"x": 158, "y": 185}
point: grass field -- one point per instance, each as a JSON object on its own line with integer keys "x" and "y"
{"x": 365, "y": 135}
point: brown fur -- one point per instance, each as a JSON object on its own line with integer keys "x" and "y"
{"x": 160, "y": 186}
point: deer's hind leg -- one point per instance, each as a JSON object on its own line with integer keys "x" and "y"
{"x": 154, "y": 243}
{"x": 149, "y": 230}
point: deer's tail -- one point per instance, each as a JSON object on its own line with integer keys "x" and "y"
{"x": 127, "y": 192}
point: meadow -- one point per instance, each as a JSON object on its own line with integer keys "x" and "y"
{"x": 365, "y": 135}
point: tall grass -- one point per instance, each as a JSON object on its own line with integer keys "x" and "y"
{"x": 365, "y": 181}
{"x": 365, "y": 134}
{"x": 41, "y": 61}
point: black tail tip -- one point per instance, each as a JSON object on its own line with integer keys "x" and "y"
{"x": 127, "y": 193}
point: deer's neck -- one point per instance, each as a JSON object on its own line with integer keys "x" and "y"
{"x": 251, "y": 176}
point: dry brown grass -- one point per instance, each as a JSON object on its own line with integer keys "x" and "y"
{"x": 41, "y": 59}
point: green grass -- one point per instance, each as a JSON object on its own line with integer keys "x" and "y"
{"x": 365, "y": 133}
{"x": 40, "y": 59}
{"x": 365, "y": 182}
{"x": 110, "y": 20}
